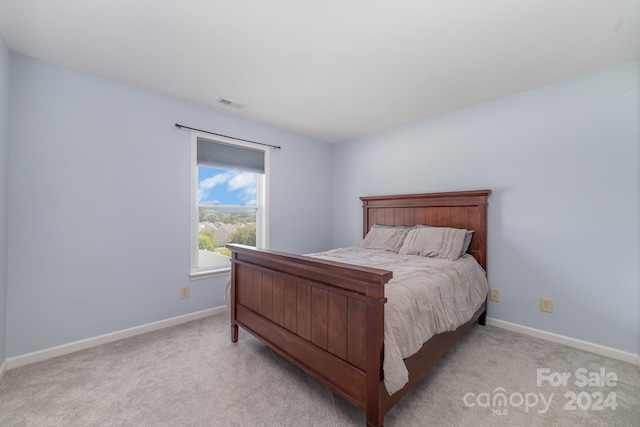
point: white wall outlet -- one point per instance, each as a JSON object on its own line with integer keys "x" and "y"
{"x": 184, "y": 291}
{"x": 546, "y": 305}
{"x": 494, "y": 295}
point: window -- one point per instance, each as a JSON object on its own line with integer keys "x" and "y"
{"x": 229, "y": 195}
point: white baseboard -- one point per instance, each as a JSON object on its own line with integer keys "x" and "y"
{"x": 38, "y": 356}
{"x": 571, "y": 342}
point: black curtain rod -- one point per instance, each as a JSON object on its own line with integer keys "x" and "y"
{"x": 277, "y": 147}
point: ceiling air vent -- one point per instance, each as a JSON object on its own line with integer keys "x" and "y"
{"x": 228, "y": 103}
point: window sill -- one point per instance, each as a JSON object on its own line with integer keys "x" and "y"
{"x": 207, "y": 274}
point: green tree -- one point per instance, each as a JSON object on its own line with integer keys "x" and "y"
{"x": 245, "y": 235}
{"x": 210, "y": 234}
{"x": 205, "y": 244}
{"x": 226, "y": 217}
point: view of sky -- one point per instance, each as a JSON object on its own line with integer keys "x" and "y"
{"x": 226, "y": 187}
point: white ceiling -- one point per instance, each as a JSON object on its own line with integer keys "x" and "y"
{"x": 329, "y": 69}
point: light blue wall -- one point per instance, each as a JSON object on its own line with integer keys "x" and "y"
{"x": 99, "y": 204}
{"x": 562, "y": 162}
{"x": 99, "y": 194}
{"x": 4, "y": 167}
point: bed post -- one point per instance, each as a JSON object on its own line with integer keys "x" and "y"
{"x": 482, "y": 208}
{"x": 232, "y": 301}
{"x": 375, "y": 350}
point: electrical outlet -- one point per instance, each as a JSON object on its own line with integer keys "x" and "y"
{"x": 494, "y": 295}
{"x": 184, "y": 291}
{"x": 546, "y": 305}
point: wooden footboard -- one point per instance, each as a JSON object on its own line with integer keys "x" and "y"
{"x": 325, "y": 317}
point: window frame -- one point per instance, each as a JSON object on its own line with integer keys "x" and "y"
{"x": 262, "y": 202}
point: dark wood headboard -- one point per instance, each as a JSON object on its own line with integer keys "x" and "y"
{"x": 459, "y": 209}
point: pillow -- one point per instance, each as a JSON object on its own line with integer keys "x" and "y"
{"x": 384, "y": 237}
{"x": 434, "y": 242}
{"x": 467, "y": 239}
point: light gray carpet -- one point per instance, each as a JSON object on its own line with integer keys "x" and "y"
{"x": 192, "y": 375}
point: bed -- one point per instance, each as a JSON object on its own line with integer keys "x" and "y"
{"x": 327, "y": 317}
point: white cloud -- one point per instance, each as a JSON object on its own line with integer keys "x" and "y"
{"x": 246, "y": 183}
{"x": 209, "y": 184}
{"x": 243, "y": 183}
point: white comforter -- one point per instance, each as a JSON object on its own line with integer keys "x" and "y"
{"x": 425, "y": 297}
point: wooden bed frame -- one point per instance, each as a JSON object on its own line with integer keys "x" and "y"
{"x": 328, "y": 317}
